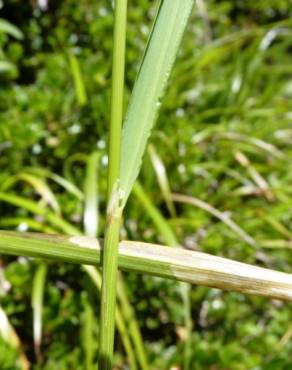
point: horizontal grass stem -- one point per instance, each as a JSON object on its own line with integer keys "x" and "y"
{"x": 173, "y": 263}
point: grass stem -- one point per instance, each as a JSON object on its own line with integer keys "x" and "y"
{"x": 172, "y": 263}
{"x": 110, "y": 253}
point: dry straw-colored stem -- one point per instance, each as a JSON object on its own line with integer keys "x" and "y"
{"x": 173, "y": 263}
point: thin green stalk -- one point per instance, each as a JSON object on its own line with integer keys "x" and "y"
{"x": 124, "y": 331}
{"x": 108, "y": 294}
{"x": 118, "y": 71}
{"x": 91, "y": 229}
{"x": 110, "y": 253}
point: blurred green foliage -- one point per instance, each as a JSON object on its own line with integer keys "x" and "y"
{"x": 224, "y": 135}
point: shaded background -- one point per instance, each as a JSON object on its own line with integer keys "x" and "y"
{"x": 224, "y": 136}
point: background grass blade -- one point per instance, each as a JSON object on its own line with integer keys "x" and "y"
{"x": 150, "y": 84}
{"x": 162, "y": 178}
{"x": 220, "y": 215}
{"x": 38, "y": 184}
{"x": 90, "y": 217}
{"x": 162, "y": 226}
{"x": 258, "y": 179}
{"x": 69, "y": 186}
{"x": 37, "y": 209}
{"x": 87, "y": 333}
{"x": 38, "y": 287}
{"x": 25, "y": 223}
{"x": 8, "y": 333}
{"x": 10, "y": 29}
{"x": 78, "y": 80}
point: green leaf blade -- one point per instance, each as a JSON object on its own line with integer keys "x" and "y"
{"x": 148, "y": 90}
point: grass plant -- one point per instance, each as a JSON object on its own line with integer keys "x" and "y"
{"x": 124, "y": 163}
{"x": 216, "y": 179}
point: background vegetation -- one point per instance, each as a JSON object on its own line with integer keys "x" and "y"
{"x": 223, "y": 136}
